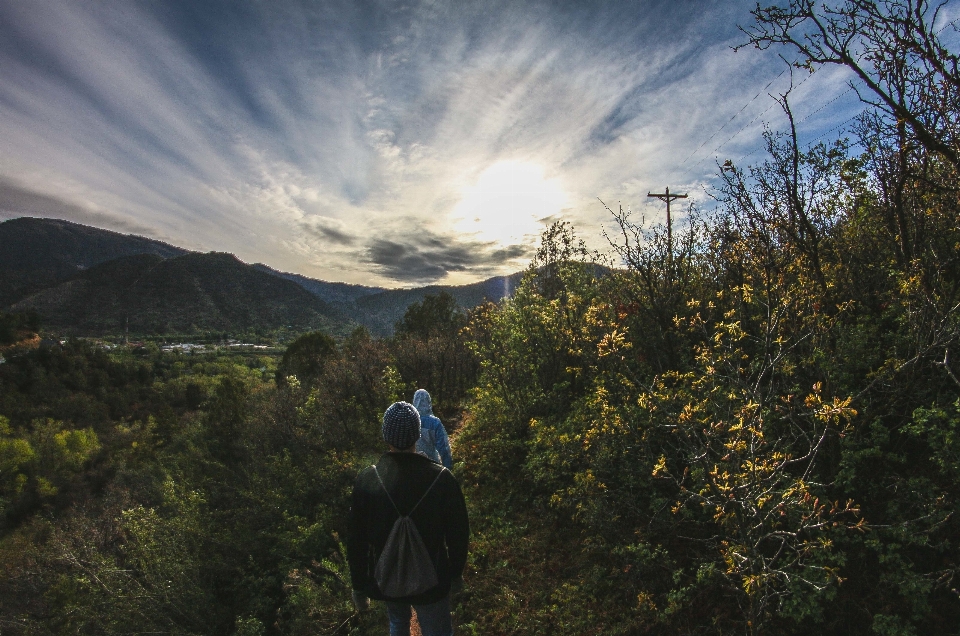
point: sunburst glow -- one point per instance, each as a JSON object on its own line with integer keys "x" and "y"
{"x": 510, "y": 200}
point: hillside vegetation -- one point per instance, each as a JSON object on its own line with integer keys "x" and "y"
{"x": 38, "y": 253}
{"x": 147, "y": 294}
{"x": 86, "y": 281}
{"x": 748, "y": 425}
{"x": 197, "y": 493}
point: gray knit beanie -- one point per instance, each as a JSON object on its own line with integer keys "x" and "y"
{"x": 401, "y": 425}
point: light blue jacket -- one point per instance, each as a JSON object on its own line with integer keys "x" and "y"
{"x": 433, "y": 440}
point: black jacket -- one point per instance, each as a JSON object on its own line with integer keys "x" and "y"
{"x": 441, "y": 520}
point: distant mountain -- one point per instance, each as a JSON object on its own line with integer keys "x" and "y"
{"x": 328, "y": 292}
{"x": 38, "y": 253}
{"x": 188, "y": 293}
{"x": 378, "y": 309}
{"x": 94, "y": 281}
{"x": 380, "y": 312}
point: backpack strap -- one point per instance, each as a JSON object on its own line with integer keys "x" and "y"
{"x": 392, "y": 503}
{"x": 435, "y": 480}
{"x": 386, "y": 492}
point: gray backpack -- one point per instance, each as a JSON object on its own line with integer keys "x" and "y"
{"x": 404, "y": 567}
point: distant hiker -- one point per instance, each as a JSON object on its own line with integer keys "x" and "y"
{"x": 407, "y": 531}
{"x": 433, "y": 437}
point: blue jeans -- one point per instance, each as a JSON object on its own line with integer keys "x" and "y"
{"x": 434, "y": 618}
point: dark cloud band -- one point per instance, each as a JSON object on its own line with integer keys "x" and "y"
{"x": 328, "y": 230}
{"x": 429, "y": 258}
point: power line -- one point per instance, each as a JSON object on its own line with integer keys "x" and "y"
{"x": 840, "y": 125}
{"x": 950, "y": 23}
{"x": 821, "y": 136}
{"x": 749, "y": 123}
{"x": 809, "y": 115}
{"x": 806, "y": 117}
{"x": 705, "y": 142}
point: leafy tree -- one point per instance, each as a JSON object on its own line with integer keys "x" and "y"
{"x": 893, "y": 48}
{"x": 430, "y": 353}
{"x": 724, "y": 419}
{"x": 16, "y": 455}
{"x": 433, "y": 314}
{"x": 14, "y": 327}
{"x": 306, "y": 355}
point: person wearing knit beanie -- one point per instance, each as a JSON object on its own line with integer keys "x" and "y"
{"x": 407, "y": 484}
{"x": 401, "y": 425}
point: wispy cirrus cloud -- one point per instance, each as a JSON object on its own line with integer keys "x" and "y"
{"x": 300, "y": 133}
{"x": 16, "y": 201}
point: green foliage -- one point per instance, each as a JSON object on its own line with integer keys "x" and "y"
{"x": 185, "y": 521}
{"x": 748, "y": 424}
{"x": 430, "y": 352}
{"x": 16, "y": 455}
{"x": 305, "y": 356}
{"x": 15, "y": 327}
{"x": 432, "y": 315}
{"x": 747, "y": 428}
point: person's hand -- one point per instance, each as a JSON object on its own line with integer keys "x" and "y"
{"x": 456, "y": 585}
{"x": 360, "y": 601}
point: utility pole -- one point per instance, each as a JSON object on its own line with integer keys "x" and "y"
{"x": 667, "y": 198}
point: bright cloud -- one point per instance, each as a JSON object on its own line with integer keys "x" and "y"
{"x": 379, "y": 143}
{"x": 509, "y": 203}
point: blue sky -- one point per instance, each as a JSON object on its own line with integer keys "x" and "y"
{"x": 384, "y": 143}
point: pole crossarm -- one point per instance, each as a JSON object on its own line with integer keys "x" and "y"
{"x": 666, "y": 197}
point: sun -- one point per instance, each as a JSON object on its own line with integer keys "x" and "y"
{"x": 508, "y": 203}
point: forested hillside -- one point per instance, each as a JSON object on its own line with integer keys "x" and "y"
{"x": 87, "y": 281}
{"x": 747, "y": 425}
{"x": 380, "y": 312}
{"x": 192, "y": 293}
{"x": 39, "y": 253}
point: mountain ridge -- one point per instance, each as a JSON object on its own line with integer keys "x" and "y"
{"x": 94, "y": 281}
{"x": 183, "y": 294}
{"x": 326, "y": 290}
{"x": 36, "y": 253}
